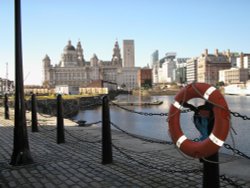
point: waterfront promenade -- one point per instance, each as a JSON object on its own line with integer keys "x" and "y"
{"x": 77, "y": 162}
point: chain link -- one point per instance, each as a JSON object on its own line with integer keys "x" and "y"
{"x": 236, "y": 151}
{"x": 140, "y": 113}
{"x": 141, "y": 137}
{"x": 145, "y": 113}
{"x": 236, "y": 114}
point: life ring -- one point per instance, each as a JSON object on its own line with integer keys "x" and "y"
{"x": 216, "y": 139}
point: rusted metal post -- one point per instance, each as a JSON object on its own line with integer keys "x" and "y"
{"x": 107, "y": 157}
{"x": 211, "y": 174}
{"x": 60, "y": 123}
{"x": 6, "y": 107}
{"x": 34, "y": 127}
{"x": 21, "y": 153}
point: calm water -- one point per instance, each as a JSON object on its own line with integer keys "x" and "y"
{"x": 157, "y": 126}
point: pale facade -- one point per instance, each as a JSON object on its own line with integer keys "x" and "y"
{"x": 127, "y": 77}
{"x": 6, "y": 86}
{"x": 169, "y": 67}
{"x": 243, "y": 61}
{"x": 163, "y": 71}
{"x": 209, "y": 66}
{"x": 154, "y": 66}
{"x": 180, "y": 71}
{"x": 74, "y": 71}
{"x": 191, "y": 71}
{"x": 234, "y": 75}
{"x": 128, "y": 53}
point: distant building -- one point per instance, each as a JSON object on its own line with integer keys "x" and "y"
{"x": 64, "y": 89}
{"x": 145, "y": 77}
{"x": 128, "y": 53}
{"x": 154, "y": 66}
{"x": 74, "y": 71}
{"x": 180, "y": 72}
{"x": 38, "y": 90}
{"x": 209, "y": 66}
{"x": 169, "y": 67}
{"x": 234, "y": 75}
{"x": 94, "y": 88}
{"x": 191, "y": 70}
{"x": 154, "y": 57}
{"x": 243, "y": 61}
{"x": 164, "y": 70}
{"x": 232, "y": 57}
{"x": 157, "y": 71}
{"x": 6, "y": 86}
{"x": 127, "y": 78}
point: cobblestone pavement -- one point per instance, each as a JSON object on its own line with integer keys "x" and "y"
{"x": 77, "y": 162}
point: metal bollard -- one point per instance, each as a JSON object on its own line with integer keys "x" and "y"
{"x": 107, "y": 157}
{"x": 6, "y": 107}
{"x": 34, "y": 127}
{"x": 211, "y": 173}
{"x": 60, "y": 123}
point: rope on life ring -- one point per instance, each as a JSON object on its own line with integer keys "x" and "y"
{"x": 216, "y": 139}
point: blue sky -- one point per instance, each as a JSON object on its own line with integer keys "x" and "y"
{"x": 183, "y": 26}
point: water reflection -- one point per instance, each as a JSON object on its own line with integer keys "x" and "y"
{"x": 157, "y": 127}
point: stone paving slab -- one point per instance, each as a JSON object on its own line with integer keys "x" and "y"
{"x": 77, "y": 162}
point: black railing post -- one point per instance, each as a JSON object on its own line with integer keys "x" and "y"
{"x": 107, "y": 157}
{"x": 6, "y": 107}
{"x": 34, "y": 127}
{"x": 211, "y": 174}
{"x": 60, "y": 123}
{"x": 21, "y": 153}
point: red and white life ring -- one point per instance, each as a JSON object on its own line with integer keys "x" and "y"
{"x": 216, "y": 139}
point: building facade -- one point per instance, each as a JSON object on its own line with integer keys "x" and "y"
{"x": 243, "y": 61}
{"x": 191, "y": 70}
{"x": 145, "y": 77}
{"x": 154, "y": 65}
{"x": 180, "y": 72}
{"x": 209, "y": 66}
{"x": 73, "y": 70}
{"x": 128, "y": 53}
{"x": 6, "y": 86}
{"x": 169, "y": 67}
{"x": 234, "y": 76}
{"x": 127, "y": 78}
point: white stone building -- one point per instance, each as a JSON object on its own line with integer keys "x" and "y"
{"x": 73, "y": 70}
{"x": 163, "y": 71}
{"x": 169, "y": 67}
{"x": 243, "y": 61}
{"x": 191, "y": 72}
{"x": 233, "y": 76}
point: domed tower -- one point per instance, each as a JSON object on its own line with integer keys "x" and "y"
{"x": 69, "y": 56}
{"x": 116, "y": 59}
{"x": 94, "y": 61}
{"x": 46, "y": 70}
{"x": 79, "y": 52}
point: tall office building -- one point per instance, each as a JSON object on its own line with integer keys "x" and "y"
{"x": 128, "y": 53}
{"x": 154, "y": 57}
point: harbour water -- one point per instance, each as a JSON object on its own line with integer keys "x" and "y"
{"x": 157, "y": 126}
